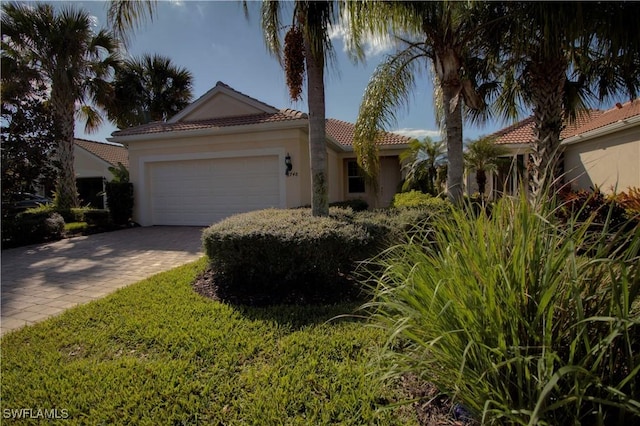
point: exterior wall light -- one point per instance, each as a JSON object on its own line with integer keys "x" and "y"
{"x": 288, "y": 164}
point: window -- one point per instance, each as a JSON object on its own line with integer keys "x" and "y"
{"x": 355, "y": 178}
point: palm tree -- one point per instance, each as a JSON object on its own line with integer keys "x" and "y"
{"x": 482, "y": 157}
{"x": 74, "y": 61}
{"x": 450, "y": 33}
{"x": 421, "y": 162}
{"x": 149, "y": 88}
{"x": 125, "y": 15}
{"x": 558, "y": 56}
{"x": 306, "y": 50}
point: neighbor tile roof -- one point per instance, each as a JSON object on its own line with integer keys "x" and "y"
{"x": 343, "y": 132}
{"x": 112, "y": 153}
{"x": 618, "y": 113}
{"x": 239, "y": 120}
{"x": 522, "y": 131}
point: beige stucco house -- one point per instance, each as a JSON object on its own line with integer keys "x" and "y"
{"x": 228, "y": 153}
{"x": 91, "y": 163}
{"x": 602, "y": 149}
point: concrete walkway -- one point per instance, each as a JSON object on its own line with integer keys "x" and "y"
{"x": 40, "y": 281}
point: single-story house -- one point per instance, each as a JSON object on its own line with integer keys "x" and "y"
{"x": 91, "y": 163}
{"x": 601, "y": 149}
{"x": 228, "y": 153}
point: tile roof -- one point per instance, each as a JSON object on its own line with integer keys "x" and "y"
{"x": 522, "y": 132}
{"x": 343, "y": 131}
{"x": 110, "y": 152}
{"x": 618, "y": 113}
{"x": 240, "y": 120}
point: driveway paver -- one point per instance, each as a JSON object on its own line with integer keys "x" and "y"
{"x": 43, "y": 280}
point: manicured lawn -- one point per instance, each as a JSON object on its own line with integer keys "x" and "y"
{"x": 158, "y": 353}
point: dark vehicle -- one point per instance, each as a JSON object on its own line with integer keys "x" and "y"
{"x": 22, "y": 201}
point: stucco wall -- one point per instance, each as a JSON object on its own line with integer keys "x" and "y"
{"x": 608, "y": 161}
{"x": 88, "y": 165}
{"x": 221, "y": 105}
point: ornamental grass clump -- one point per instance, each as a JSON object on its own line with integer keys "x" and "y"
{"x": 506, "y": 316}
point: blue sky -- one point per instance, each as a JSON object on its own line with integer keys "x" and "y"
{"x": 215, "y": 41}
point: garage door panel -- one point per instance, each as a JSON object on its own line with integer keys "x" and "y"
{"x": 201, "y": 192}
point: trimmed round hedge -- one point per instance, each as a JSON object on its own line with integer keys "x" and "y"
{"x": 287, "y": 254}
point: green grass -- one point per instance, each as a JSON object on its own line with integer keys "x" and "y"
{"x": 158, "y": 353}
{"x": 76, "y": 227}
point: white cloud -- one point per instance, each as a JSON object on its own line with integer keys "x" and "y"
{"x": 418, "y": 133}
{"x": 372, "y": 45}
{"x": 93, "y": 21}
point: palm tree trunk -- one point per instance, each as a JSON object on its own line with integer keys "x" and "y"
{"x": 453, "y": 135}
{"x": 63, "y": 109}
{"x": 481, "y": 180}
{"x": 547, "y": 79}
{"x": 317, "y": 137}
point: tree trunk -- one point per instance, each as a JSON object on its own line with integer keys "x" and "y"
{"x": 317, "y": 136}
{"x": 447, "y": 66}
{"x": 481, "y": 180}
{"x": 453, "y": 135}
{"x": 546, "y": 79}
{"x": 63, "y": 108}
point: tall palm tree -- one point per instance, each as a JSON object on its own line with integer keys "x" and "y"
{"x": 149, "y": 88}
{"x": 421, "y": 162}
{"x": 306, "y": 51}
{"x": 558, "y": 56}
{"x": 73, "y": 60}
{"x": 482, "y": 156}
{"x": 449, "y": 33}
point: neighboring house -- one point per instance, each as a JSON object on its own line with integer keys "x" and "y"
{"x": 602, "y": 149}
{"x": 92, "y": 162}
{"x": 228, "y": 153}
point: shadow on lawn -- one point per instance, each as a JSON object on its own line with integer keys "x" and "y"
{"x": 297, "y": 309}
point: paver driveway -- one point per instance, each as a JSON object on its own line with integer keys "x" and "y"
{"x": 40, "y": 281}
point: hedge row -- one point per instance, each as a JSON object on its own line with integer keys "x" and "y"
{"x": 47, "y": 224}
{"x": 273, "y": 256}
{"x": 285, "y": 255}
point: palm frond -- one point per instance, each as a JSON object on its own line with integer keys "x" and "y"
{"x": 127, "y": 15}
{"x": 389, "y": 89}
{"x": 271, "y": 27}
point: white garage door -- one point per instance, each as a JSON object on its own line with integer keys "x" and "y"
{"x": 201, "y": 192}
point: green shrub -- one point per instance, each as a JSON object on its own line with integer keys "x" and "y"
{"x": 286, "y": 254}
{"x": 592, "y": 206}
{"x": 98, "y": 218}
{"x": 357, "y": 205}
{"x": 389, "y": 227}
{"x": 33, "y": 226}
{"x": 412, "y": 199}
{"x": 120, "y": 201}
{"x": 501, "y": 313}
